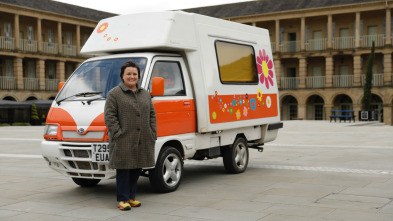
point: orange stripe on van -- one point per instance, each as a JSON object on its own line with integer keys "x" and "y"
{"x": 175, "y": 117}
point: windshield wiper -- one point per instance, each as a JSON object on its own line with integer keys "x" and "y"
{"x": 84, "y": 94}
{"x": 94, "y": 99}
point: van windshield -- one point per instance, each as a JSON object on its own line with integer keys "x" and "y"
{"x": 95, "y": 79}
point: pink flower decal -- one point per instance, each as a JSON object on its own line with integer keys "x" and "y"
{"x": 265, "y": 68}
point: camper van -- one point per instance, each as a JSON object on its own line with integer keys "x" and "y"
{"x": 213, "y": 87}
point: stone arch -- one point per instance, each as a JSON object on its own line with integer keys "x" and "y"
{"x": 289, "y": 108}
{"x": 31, "y": 98}
{"x": 315, "y": 108}
{"x": 342, "y": 102}
{"x": 9, "y": 98}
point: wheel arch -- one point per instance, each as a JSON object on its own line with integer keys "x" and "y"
{"x": 173, "y": 143}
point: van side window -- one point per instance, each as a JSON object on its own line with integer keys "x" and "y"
{"x": 236, "y": 63}
{"x": 173, "y": 78}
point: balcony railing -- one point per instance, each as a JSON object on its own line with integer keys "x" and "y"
{"x": 290, "y": 46}
{"x": 315, "y": 82}
{"x": 7, "y": 83}
{"x": 316, "y": 44}
{"x": 28, "y": 45}
{"x": 289, "y": 82}
{"x": 366, "y": 41}
{"x": 52, "y": 84}
{"x": 342, "y": 80}
{"x": 31, "y": 83}
{"x": 50, "y": 48}
{"x": 343, "y": 42}
{"x": 69, "y": 50}
{"x": 377, "y": 80}
{"x": 7, "y": 43}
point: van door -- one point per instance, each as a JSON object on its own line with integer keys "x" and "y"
{"x": 175, "y": 110}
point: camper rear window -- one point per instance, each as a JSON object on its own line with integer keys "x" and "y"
{"x": 236, "y": 63}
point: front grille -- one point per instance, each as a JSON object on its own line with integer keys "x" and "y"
{"x": 88, "y": 135}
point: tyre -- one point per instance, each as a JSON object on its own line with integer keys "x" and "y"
{"x": 86, "y": 182}
{"x": 167, "y": 174}
{"x": 235, "y": 157}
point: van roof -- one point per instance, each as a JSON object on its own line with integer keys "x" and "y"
{"x": 166, "y": 30}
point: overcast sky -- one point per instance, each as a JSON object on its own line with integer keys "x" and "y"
{"x": 131, "y": 6}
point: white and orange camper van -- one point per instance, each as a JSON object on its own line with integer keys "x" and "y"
{"x": 218, "y": 98}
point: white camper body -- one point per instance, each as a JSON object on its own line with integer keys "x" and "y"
{"x": 221, "y": 95}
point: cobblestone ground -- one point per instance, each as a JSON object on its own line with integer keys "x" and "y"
{"x": 315, "y": 170}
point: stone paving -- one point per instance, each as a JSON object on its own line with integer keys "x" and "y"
{"x": 314, "y": 171}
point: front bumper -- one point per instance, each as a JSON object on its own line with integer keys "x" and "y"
{"x": 73, "y": 159}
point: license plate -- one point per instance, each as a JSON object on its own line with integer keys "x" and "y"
{"x": 100, "y": 152}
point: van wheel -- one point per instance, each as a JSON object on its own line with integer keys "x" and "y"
{"x": 235, "y": 157}
{"x": 167, "y": 174}
{"x": 86, "y": 182}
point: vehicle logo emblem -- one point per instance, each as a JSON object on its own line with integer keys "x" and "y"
{"x": 81, "y": 130}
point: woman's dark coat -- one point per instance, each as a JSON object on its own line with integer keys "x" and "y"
{"x": 131, "y": 120}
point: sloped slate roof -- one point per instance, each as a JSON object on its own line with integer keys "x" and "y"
{"x": 268, "y": 6}
{"x": 61, "y": 8}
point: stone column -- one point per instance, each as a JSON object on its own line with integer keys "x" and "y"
{"x": 40, "y": 69}
{"x": 277, "y": 35}
{"x": 301, "y": 110}
{"x": 60, "y": 70}
{"x": 357, "y": 68}
{"x": 357, "y": 108}
{"x": 387, "y": 62}
{"x": 302, "y": 33}
{"x": 39, "y": 35}
{"x": 59, "y": 37}
{"x": 328, "y": 107}
{"x": 357, "y": 33}
{"x": 16, "y": 27}
{"x": 330, "y": 31}
{"x": 302, "y": 72}
{"x": 387, "y": 114}
{"x": 18, "y": 72}
{"x": 78, "y": 39}
{"x": 329, "y": 71}
{"x": 388, "y": 39}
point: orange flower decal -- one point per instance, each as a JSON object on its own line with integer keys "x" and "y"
{"x": 102, "y": 28}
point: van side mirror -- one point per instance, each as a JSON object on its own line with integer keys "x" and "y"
{"x": 157, "y": 87}
{"x": 61, "y": 84}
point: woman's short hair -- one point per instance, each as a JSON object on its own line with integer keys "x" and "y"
{"x": 129, "y": 64}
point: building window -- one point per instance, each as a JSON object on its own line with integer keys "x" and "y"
{"x": 69, "y": 39}
{"x": 31, "y": 69}
{"x": 8, "y": 31}
{"x": 30, "y": 34}
{"x": 51, "y": 70}
{"x": 236, "y": 63}
{"x": 50, "y": 38}
{"x": 9, "y": 68}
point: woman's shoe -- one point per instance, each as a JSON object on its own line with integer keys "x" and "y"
{"x": 134, "y": 203}
{"x": 124, "y": 205}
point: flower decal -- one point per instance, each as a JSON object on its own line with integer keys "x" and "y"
{"x": 268, "y": 102}
{"x": 230, "y": 110}
{"x": 240, "y": 102}
{"x": 265, "y": 68}
{"x": 253, "y": 104}
{"x": 102, "y": 27}
{"x": 214, "y": 115}
{"x": 245, "y": 111}
{"x": 259, "y": 94}
{"x": 238, "y": 114}
{"x": 234, "y": 102}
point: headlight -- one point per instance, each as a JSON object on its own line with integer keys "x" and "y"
{"x": 51, "y": 130}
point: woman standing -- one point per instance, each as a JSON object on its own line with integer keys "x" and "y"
{"x": 131, "y": 121}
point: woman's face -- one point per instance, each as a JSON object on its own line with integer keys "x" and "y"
{"x": 130, "y": 77}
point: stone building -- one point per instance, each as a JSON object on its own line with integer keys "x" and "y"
{"x": 320, "y": 50}
{"x": 40, "y": 42}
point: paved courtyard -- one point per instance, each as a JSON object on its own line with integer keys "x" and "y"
{"x": 314, "y": 171}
